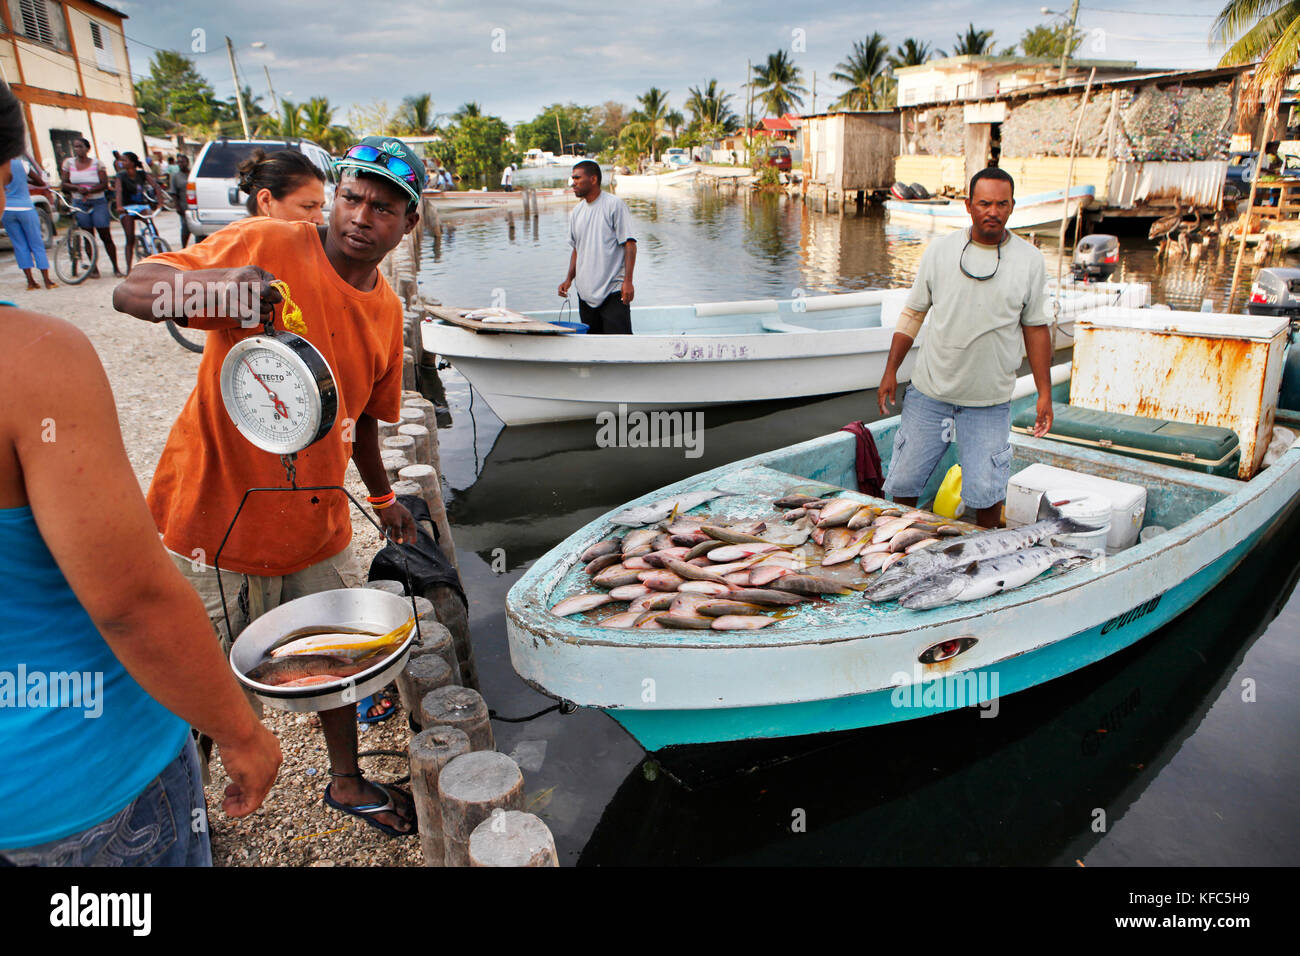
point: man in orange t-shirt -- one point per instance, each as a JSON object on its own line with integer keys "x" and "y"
{"x": 286, "y": 546}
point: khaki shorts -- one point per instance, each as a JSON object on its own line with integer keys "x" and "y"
{"x": 249, "y": 596}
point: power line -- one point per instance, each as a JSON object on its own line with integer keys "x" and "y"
{"x": 1143, "y": 13}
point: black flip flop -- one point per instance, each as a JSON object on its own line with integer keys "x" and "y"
{"x": 368, "y": 811}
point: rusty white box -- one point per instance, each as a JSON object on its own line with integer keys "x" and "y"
{"x": 1204, "y": 368}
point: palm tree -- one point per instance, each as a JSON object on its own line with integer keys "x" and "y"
{"x": 974, "y": 43}
{"x": 416, "y": 114}
{"x": 911, "y": 52}
{"x": 467, "y": 109}
{"x": 777, "y": 84}
{"x": 865, "y": 72}
{"x": 1265, "y": 30}
{"x": 675, "y": 121}
{"x": 317, "y": 118}
{"x": 654, "y": 113}
{"x": 709, "y": 106}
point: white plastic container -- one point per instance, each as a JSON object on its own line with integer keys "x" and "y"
{"x": 1128, "y": 502}
{"x": 1087, "y": 509}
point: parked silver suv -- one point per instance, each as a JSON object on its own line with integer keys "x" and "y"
{"x": 212, "y": 195}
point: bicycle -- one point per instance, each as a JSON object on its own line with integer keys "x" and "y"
{"x": 77, "y": 254}
{"x": 149, "y": 243}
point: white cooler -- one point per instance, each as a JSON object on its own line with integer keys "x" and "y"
{"x": 1128, "y": 502}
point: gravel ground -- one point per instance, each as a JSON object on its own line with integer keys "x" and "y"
{"x": 151, "y": 378}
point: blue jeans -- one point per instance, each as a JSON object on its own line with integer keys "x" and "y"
{"x": 165, "y": 826}
{"x": 926, "y": 429}
{"x": 23, "y": 227}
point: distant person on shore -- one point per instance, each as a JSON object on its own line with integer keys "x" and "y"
{"x": 983, "y": 288}
{"x": 116, "y": 652}
{"x": 604, "y": 255}
{"x": 508, "y": 178}
{"x": 85, "y": 180}
{"x": 283, "y": 185}
{"x": 22, "y": 224}
{"x": 178, "y": 175}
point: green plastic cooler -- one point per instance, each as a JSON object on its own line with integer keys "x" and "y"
{"x": 1216, "y": 451}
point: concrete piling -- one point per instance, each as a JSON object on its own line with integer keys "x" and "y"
{"x": 431, "y": 750}
{"x": 470, "y": 788}
{"x": 512, "y": 838}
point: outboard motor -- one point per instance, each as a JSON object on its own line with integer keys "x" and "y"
{"x": 1276, "y": 292}
{"x": 1095, "y": 258}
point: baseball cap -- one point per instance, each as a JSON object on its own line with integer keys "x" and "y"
{"x": 390, "y": 158}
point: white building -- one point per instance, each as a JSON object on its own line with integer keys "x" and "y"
{"x": 975, "y": 77}
{"x": 66, "y": 61}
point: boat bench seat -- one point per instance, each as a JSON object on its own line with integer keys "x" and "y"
{"x": 780, "y": 325}
{"x": 1204, "y": 448}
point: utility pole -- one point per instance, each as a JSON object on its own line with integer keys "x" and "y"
{"x": 749, "y": 110}
{"x": 559, "y": 133}
{"x": 274, "y": 101}
{"x": 1069, "y": 39}
{"x": 814, "y": 105}
{"x": 239, "y": 93}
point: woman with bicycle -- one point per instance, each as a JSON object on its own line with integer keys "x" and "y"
{"x": 130, "y": 190}
{"x": 85, "y": 180}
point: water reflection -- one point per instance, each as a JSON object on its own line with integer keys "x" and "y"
{"x": 1023, "y": 788}
{"x": 714, "y": 244}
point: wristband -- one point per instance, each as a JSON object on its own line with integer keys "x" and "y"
{"x": 380, "y": 502}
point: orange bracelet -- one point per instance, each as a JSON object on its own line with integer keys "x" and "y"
{"x": 382, "y": 501}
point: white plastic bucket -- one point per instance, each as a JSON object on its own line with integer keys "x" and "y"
{"x": 1090, "y": 509}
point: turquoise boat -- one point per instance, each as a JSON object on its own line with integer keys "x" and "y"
{"x": 850, "y": 664}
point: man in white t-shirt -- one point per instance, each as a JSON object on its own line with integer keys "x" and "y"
{"x": 604, "y": 255}
{"x": 508, "y": 178}
{"x": 985, "y": 291}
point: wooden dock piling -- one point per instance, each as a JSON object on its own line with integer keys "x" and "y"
{"x": 460, "y": 707}
{"x": 422, "y": 675}
{"x": 431, "y": 750}
{"x": 470, "y": 788}
{"x": 512, "y": 838}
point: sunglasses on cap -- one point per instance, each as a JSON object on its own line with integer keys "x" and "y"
{"x": 394, "y": 164}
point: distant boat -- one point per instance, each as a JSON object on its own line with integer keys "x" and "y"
{"x": 713, "y": 353}
{"x": 651, "y": 183}
{"x": 454, "y": 200}
{"x": 1034, "y": 211}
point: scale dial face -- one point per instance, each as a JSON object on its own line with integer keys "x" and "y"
{"x": 279, "y": 392}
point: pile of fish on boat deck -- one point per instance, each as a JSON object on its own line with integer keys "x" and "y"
{"x": 681, "y": 571}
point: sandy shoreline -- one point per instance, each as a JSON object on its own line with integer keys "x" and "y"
{"x": 151, "y": 377}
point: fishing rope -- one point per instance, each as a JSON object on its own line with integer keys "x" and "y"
{"x": 564, "y": 707}
{"x": 292, "y": 314}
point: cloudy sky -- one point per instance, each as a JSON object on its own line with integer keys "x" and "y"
{"x": 516, "y": 58}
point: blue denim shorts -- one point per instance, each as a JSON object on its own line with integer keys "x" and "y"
{"x": 166, "y": 825}
{"x": 92, "y": 213}
{"x": 928, "y": 426}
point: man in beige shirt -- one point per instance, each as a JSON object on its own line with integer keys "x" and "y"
{"x": 985, "y": 290}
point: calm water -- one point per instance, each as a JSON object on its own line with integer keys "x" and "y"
{"x": 1187, "y": 772}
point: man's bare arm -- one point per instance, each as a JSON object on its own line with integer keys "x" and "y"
{"x": 1038, "y": 347}
{"x": 150, "y": 293}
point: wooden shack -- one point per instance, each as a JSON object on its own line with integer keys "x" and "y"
{"x": 850, "y": 152}
{"x": 1147, "y": 144}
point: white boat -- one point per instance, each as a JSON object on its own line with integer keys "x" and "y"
{"x": 713, "y": 353}
{"x": 1036, "y": 211}
{"x": 651, "y": 183}
{"x": 458, "y": 200}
